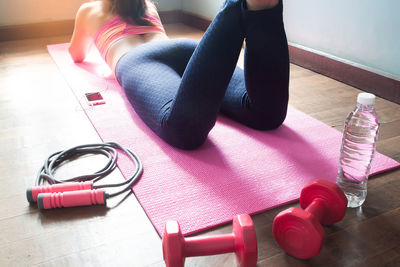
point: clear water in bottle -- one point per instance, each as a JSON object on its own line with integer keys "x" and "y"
{"x": 358, "y": 150}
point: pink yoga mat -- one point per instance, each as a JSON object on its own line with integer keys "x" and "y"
{"x": 238, "y": 170}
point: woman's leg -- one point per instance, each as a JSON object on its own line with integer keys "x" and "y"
{"x": 150, "y": 75}
{"x": 261, "y": 92}
{"x": 258, "y": 97}
{"x": 182, "y": 107}
{"x": 197, "y": 103}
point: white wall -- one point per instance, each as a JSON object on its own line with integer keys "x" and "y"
{"x": 165, "y": 5}
{"x": 204, "y": 8}
{"x": 15, "y": 12}
{"x": 365, "y": 33}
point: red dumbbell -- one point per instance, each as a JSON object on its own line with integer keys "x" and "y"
{"x": 242, "y": 241}
{"x": 299, "y": 231}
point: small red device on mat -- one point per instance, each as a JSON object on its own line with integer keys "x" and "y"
{"x": 299, "y": 231}
{"x": 80, "y": 191}
{"x": 95, "y": 98}
{"x": 242, "y": 241}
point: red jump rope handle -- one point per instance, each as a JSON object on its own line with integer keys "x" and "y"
{"x": 71, "y": 199}
{"x": 33, "y": 192}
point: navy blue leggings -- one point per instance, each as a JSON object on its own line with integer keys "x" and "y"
{"x": 179, "y": 86}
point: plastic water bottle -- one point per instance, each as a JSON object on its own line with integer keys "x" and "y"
{"x": 358, "y": 150}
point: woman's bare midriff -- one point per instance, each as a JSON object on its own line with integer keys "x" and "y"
{"x": 118, "y": 49}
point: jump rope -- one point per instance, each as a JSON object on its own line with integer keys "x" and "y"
{"x": 80, "y": 190}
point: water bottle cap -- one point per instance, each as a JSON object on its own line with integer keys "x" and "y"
{"x": 366, "y": 98}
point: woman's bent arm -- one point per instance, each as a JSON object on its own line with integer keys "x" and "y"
{"x": 81, "y": 39}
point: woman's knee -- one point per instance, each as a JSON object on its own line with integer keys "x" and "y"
{"x": 186, "y": 133}
{"x": 184, "y": 138}
{"x": 268, "y": 120}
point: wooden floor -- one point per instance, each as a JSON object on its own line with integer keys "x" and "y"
{"x": 39, "y": 115}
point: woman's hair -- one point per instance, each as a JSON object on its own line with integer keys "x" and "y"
{"x": 130, "y": 10}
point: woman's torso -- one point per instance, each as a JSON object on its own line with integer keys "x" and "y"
{"x": 101, "y": 14}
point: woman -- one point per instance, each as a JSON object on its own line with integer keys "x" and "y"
{"x": 178, "y": 86}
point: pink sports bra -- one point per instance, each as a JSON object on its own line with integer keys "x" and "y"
{"x": 115, "y": 29}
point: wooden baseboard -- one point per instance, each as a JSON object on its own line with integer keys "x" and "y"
{"x": 365, "y": 80}
{"x": 36, "y": 30}
{"x": 172, "y": 16}
{"x": 195, "y": 21}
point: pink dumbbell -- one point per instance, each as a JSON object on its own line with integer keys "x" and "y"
{"x": 242, "y": 241}
{"x": 299, "y": 231}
